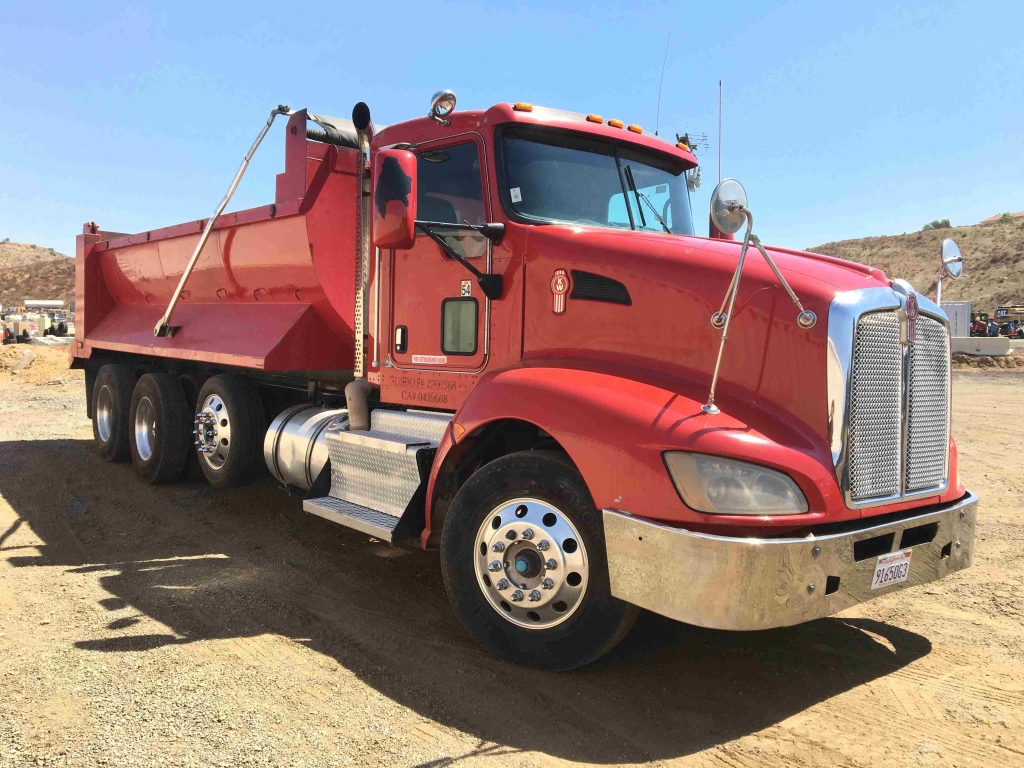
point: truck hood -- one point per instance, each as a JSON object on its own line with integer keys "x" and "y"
{"x": 657, "y": 324}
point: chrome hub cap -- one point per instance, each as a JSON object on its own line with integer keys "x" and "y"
{"x": 145, "y": 428}
{"x": 531, "y": 563}
{"x": 213, "y": 431}
{"x": 105, "y": 413}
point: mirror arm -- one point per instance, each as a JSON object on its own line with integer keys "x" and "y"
{"x": 491, "y": 285}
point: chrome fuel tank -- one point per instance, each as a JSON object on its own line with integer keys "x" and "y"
{"x": 295, "y": 448}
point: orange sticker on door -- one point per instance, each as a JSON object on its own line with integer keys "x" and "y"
{"x": 429, "y": 360}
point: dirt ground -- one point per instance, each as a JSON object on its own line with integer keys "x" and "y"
{"x": 176, "y": 626}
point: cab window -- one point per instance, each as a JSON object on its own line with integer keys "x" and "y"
{"x": 451, "y": 191}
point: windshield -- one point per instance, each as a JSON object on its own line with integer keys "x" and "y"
{"x": 557, "y": 177}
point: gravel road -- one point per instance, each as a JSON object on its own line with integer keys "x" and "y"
{"x": 178, "y": 626}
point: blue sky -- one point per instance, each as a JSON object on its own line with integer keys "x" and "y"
{"x": 842, "y": 120}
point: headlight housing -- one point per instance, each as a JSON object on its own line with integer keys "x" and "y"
{"x": 721, "y": 486}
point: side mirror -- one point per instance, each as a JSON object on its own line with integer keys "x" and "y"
{"x": 729, "y": 206}
{"x": 394, "y": 199}
{"x": 952, "y": 261}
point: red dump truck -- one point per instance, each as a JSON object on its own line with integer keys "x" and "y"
{"x": 496, "y": 333}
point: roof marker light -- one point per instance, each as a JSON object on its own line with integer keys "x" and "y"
{"x": 522, "y": 106}
{"x": 683, "y": 146}
{"x": 616, "y": 123}
{"x": 635, "y": 129}
{"x": 595, "y": 119}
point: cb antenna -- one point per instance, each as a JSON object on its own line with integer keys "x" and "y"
{"x": 719, "y": 131}
{"x": 657, "y": 119}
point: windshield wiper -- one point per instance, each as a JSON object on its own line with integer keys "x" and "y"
{"x": 641, "y": 196}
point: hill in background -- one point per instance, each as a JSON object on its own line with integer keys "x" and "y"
{"x": 993, "y": 264}
{"x": 31, "y": 272}
{"x": 993, "y": 261}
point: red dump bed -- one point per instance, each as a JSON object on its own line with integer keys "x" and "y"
{"x": 273, "y": 290}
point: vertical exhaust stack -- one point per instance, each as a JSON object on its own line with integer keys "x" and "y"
{"x": 364, "y": 134}
{"x": 356, "y": 393}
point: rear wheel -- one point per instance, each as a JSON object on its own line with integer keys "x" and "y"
{"x": 524, "y": 564}
{"x": 111, "y": 402}
{"x": 159, "y": 428}
{"x": 190, "y": 386}
{"x": 230, "y": 424}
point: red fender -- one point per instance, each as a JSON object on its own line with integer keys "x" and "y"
{"x": 615, "y": 429}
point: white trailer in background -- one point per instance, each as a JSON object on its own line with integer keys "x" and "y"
{"x": 959, "y": 313}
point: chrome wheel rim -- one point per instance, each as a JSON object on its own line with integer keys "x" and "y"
{"x": 105, "y": 413}
{"x": 531, "y": 563}
{"x": 213, "y": 431}
{"x": 145, "y": 428}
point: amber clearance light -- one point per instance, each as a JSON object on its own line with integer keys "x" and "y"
{"x": 616, "y": 123}
{"x": 522, "y": 106}
{"x": 635, "y": 129}
{"x": 595, "y": 119}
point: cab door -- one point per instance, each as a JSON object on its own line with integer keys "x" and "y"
{"x": 438, "y": 312}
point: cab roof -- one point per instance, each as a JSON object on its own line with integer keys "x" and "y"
{"x": 527, "y": 114}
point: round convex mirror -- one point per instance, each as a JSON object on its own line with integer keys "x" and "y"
{"x": 952, "y": 261}
{"x": 728, "y": 202}
{"x": 442, "y": 104}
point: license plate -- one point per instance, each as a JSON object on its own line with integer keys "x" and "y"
{"x": 892, "y": 569}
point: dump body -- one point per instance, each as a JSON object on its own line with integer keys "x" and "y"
{"x": 273, "y": 289}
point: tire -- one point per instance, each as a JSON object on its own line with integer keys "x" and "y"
{"x": 159, "y": 428}
{"x": 111, "y": 403}
{"x": 543, "y": 492}
{"x": 233, "y": 432}
{"x": 190, "y": 387}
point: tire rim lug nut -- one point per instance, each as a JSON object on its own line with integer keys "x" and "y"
{"x": 503, "y": 584}
{"x": 494, "y": 566}
{"x": 534, "y": 596}
{"x": 547, "y": 583}
{"x": 499, "y": 546}
{"x": 543, "y": 546}
{"x": 551, "y": 564}
{"x": 517, "y": 596}
{"x": 528, "y": 534}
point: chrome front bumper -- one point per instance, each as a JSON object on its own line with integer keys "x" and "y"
{"x": 746, "y": 584}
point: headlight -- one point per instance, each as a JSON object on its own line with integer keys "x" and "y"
{"x": 729, "y": 487}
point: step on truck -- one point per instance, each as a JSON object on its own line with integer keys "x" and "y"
{"x": 496, "y": 334}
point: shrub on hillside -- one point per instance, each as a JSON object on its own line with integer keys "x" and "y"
{"x": 5, "y": 240}
{"x": 1006, "y": 217}
{"x": 937, "y": 224}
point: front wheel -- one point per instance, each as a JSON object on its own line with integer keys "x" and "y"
{"x": 524, "y": 564}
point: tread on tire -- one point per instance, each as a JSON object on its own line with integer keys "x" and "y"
{"x": 111, "y": 403}
{"x": 163, "y": 457}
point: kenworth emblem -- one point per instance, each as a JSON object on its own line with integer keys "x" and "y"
{"x": 912, "y": 313}
{"x": 560, "y": 287}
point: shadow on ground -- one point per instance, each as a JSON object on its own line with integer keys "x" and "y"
{"x": 243, "y": 563}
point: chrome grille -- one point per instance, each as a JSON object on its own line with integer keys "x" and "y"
{"x": 897, "y": 439}
{"x": 928, "y": 407}
{"x": 876, "y": 398}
